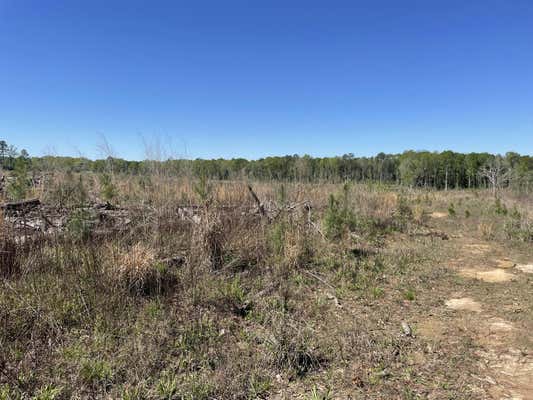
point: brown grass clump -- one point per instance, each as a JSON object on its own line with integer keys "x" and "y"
{"x": 419, "y": 214}
{"x": 9, "y": 264}
{"x": 137, "y": 268}
{"x": 486, "y": 230}
{"x": 208, "y": 240}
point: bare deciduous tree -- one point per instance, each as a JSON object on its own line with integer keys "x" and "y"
{"x": 496, "y": 172}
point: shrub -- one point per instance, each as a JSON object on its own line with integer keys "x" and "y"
{"x": 518, "y": 227}
{"x": 276, "y": 237}
{"x": 203, "y": 189}
{"x": 403, "y": 214}
{"x": 67, "y": 191}
{"x": 80, "y": 224}
{"x": 18, "y": 188}
{"x": 451, "y": 210}
{"x": 107, "y": 188}
{"x": 499, "y": 207}
{"x": 338, "y": 218}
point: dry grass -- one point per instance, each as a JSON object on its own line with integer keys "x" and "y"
{"x": 260, "y": 308}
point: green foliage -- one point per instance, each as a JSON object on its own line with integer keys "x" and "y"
{"x": 133, "y": 393}
{"x": 282, "y": 195}
{"x": 108, "y": 190}
{"x": 9, "y": 393}
{"x": 96, "y": 372}
{"x": 451, "y": 210}
{"x": 414, "y": 168}
{"x": 404, "y": 213}
{"x": 259, "y": 386}
{"x": 202, "y": 188}
{"x": 518, "y": 227}
{"x": 292, "y": 349}
{"x": 499, "y": 207}
{"x": 195, "y": 388}
{"x": 276, "y": 237}
{"x": 68, "y": 192}
{"x": 338, "y": 218}
{"x": 409, "y": 295}
{"x": 234, "y": 293}
{"x": 48, "y": 392}
{"x": 80, "y": 224}
{"x": 196, "y": 335}
{"x": 317, "y": 394}
{"x": 18, "y": 188}
{"x": 167, "y": 386}
{"x": 377, "y": 292}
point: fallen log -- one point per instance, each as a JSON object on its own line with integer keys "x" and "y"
{"x": 432, "y": 234}
{"x": 23, "y": 205}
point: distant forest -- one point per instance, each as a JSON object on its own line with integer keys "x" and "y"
{"x": 441, "y": 170}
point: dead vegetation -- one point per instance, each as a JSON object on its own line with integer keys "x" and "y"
{"x": 153, "y": 288}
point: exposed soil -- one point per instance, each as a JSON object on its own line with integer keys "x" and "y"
{"x": 464, "y": 304}
{"x": 493, "y": 275}
{"x": 492, "y": 310}
{"x": 526, "y": 268}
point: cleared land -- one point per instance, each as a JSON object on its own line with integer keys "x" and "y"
{"x": 181, "y": 289}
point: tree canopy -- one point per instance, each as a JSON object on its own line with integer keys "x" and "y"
{"x": 440, "y": 170}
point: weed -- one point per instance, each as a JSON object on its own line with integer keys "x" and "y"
{"x": 133, "y": 393}
{"x": 259, "y": 385}
{"x": 404, "y": 213}
{"x": 48, "y": 392}
{"x": 451, "y": 210}
{"x": 409, "y": 295}
{"x": 96, "y": 372}
{"x": 377, "y": 292}
{"x": 317, "y": 394}
{"x": 518, "y": 227}
{"x": 167, "y": 386}
{"x": 235, "y": 296}
{"x": 292, "y": 349}
{"x": 196, "y": 335}
{"x": 499, "y": 207}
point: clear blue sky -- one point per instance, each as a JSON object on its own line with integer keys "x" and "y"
{"x": 256, "y": 78}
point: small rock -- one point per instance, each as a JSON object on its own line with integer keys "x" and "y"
{"x": 406, "y": 329}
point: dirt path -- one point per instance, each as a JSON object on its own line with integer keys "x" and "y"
{"x": 488, "y": 309}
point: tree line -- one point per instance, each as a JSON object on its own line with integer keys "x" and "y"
{"x": 440, "y": 170}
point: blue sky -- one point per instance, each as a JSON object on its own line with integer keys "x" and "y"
{"x": 255, "y": 78}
